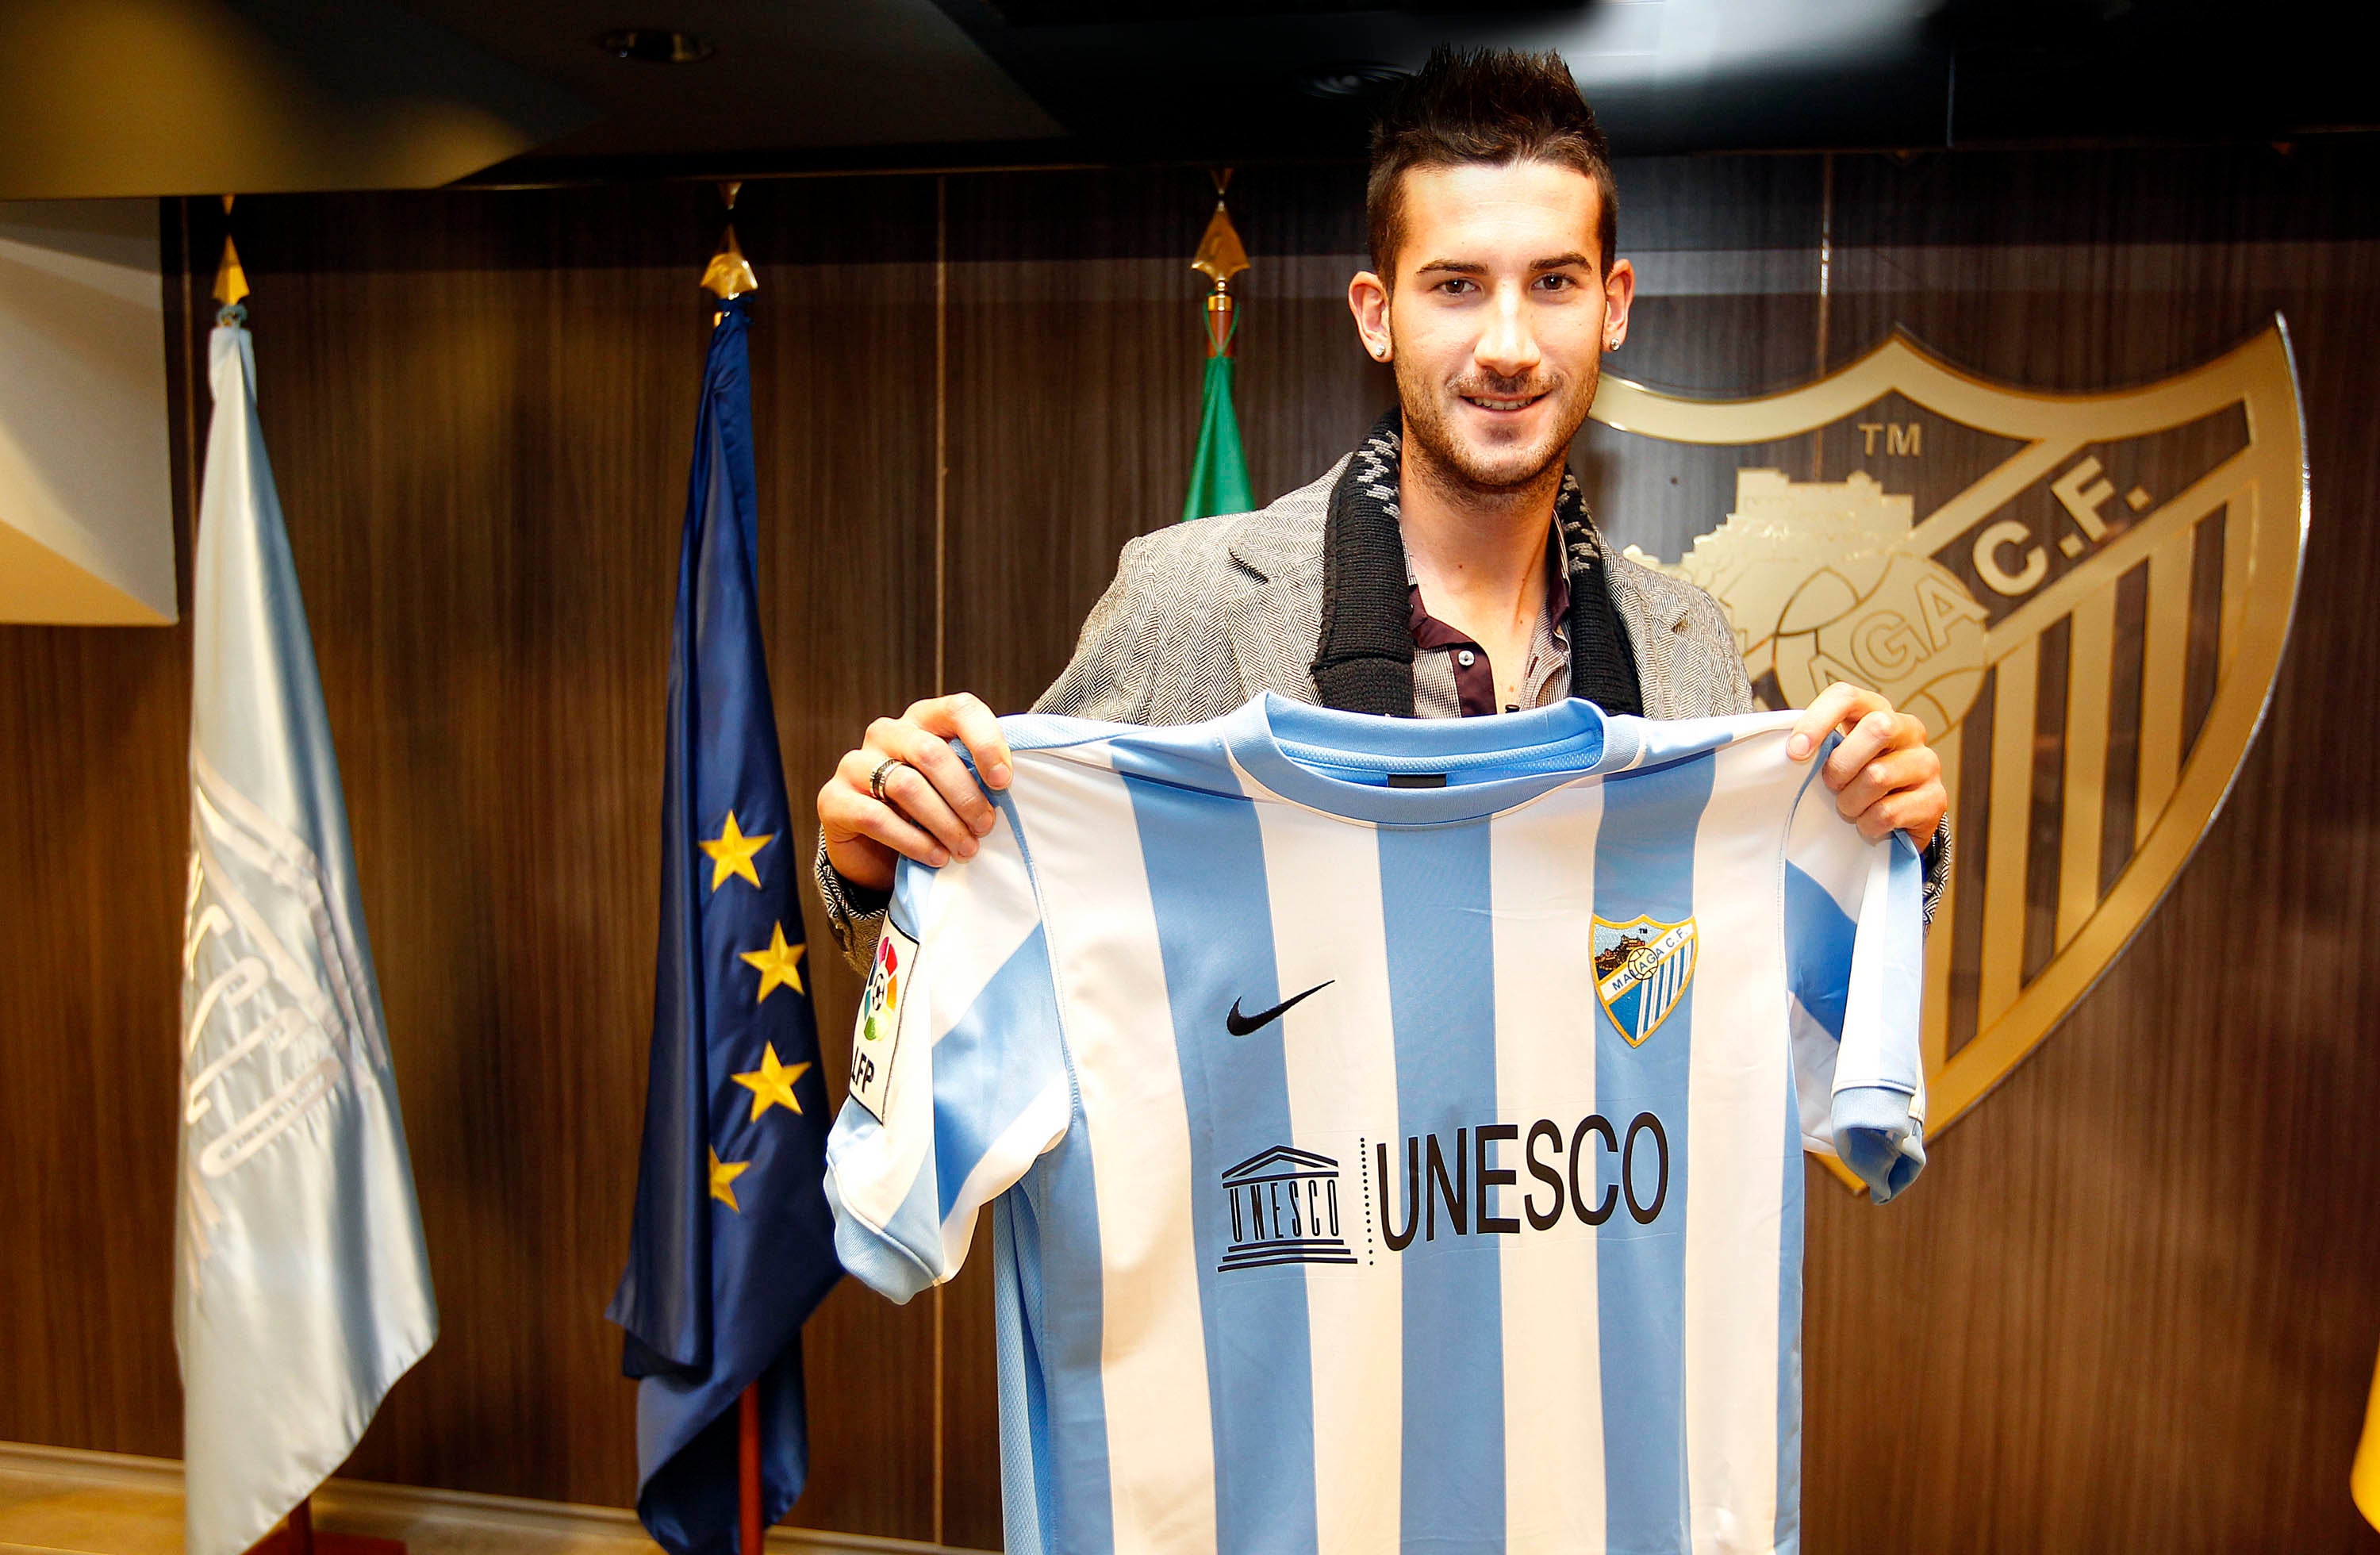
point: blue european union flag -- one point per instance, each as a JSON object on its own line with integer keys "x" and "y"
{"x": 733, "y": 1245}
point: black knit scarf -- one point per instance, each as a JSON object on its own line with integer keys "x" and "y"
{"x": 1364, "y": 660}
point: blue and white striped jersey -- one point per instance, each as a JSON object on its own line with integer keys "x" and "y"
{"x": 1393, "y": 1127}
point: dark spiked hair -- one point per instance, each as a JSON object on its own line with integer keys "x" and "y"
{"x": 1493, "y": 105}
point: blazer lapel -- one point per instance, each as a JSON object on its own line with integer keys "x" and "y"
{"x": 1274, "y": 625}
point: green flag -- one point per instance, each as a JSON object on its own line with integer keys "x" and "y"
{"x": 1219, "y": 471}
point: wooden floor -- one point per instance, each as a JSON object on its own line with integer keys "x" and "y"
{"x": 57, "y": 1501}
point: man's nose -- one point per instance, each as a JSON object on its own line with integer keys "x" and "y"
{"x": 1508, "y": 347}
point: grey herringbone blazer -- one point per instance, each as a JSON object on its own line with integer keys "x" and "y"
{"x": 1202, "y": 616}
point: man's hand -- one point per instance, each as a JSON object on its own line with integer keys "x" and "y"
{"x": 1884, "y": 774}
{"x": 931, "y": 808}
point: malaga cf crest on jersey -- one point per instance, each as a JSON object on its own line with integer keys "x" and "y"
{"x": 2085, "y": 596}
{"x": 1641, "y": 968}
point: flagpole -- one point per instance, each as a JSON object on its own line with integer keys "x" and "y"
{"x": 732, "y": 1243}
{"x": 729, "y": 274}
{"x": 296, "y": 1534}
{"x": 1221, "y": 258}
{"x": 747, "y": 1467}
{"x": 1219, "y": 468}
{"x": 231, "y": 280}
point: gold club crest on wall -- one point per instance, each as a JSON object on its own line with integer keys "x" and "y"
{"x": 2085, "y": 597}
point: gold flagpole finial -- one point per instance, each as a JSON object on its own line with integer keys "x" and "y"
{"x": 231, "y": 280}
{"x": 1220, "y": 256}
{"x": 730, "y": 273}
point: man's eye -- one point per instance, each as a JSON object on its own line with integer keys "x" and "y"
{"x": 1456, "y": 286}
{"x": 1555, "y": 283}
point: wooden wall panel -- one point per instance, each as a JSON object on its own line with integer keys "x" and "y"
{"x": 481, "y": 410}
{"x": 2137, "y": 1312}
{"x": 2125, "y": 1309}
{"x": 93, "y": 725}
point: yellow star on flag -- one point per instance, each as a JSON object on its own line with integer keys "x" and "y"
{"x": 771, "y": 1085}
{"x": 780, "y": 964}
{"x": 723, "y": 1180}
{"x": 731, "y": 853}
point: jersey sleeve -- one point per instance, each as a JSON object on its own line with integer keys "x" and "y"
{"x": 1854, "y": 944}
{"x": 958, "y": 1076}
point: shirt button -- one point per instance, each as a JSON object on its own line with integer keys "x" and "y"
{"x": 1466, "y": 658}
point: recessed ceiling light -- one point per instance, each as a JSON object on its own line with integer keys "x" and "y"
{"x": 1360, "y": 78}
{"x": 656, "y": 45}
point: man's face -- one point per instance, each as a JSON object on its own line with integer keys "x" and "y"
{"x": 1498, "y": 317}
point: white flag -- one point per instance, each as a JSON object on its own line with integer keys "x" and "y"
{"x": 303, "y": 1290}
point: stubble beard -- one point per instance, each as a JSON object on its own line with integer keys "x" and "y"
{"x": 1497, "y": 475}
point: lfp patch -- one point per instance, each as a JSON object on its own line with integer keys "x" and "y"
{"x": 1641, "y": 968}
{"x": 875, "y": 1036}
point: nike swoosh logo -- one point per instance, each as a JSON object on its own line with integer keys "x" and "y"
{"x": 1239, "y": 1025}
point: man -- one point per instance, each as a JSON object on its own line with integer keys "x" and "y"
{"x": 1448, "y": 567}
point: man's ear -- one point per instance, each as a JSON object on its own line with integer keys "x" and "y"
{"x": 1619, "y": 291}
{"x": 1368, "y": 299}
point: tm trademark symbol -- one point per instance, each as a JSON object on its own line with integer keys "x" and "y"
{"x": 1902, "y": 440}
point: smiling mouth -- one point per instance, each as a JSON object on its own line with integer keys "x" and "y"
{"x": 1500, "y": 404}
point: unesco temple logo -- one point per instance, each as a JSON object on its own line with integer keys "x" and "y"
{"x": 2085, "y": 597}
{"x": 1284, "y": 1209}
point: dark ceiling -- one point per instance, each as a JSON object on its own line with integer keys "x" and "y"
{"x": 201, "y": 95}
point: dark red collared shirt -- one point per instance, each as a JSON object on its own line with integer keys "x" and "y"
{"x": 1451, "y": 676}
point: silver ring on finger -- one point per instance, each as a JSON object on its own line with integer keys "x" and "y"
{"x": 876, "y": 779}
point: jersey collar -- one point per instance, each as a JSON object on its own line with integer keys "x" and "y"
{"x": 1341, "y": 762}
